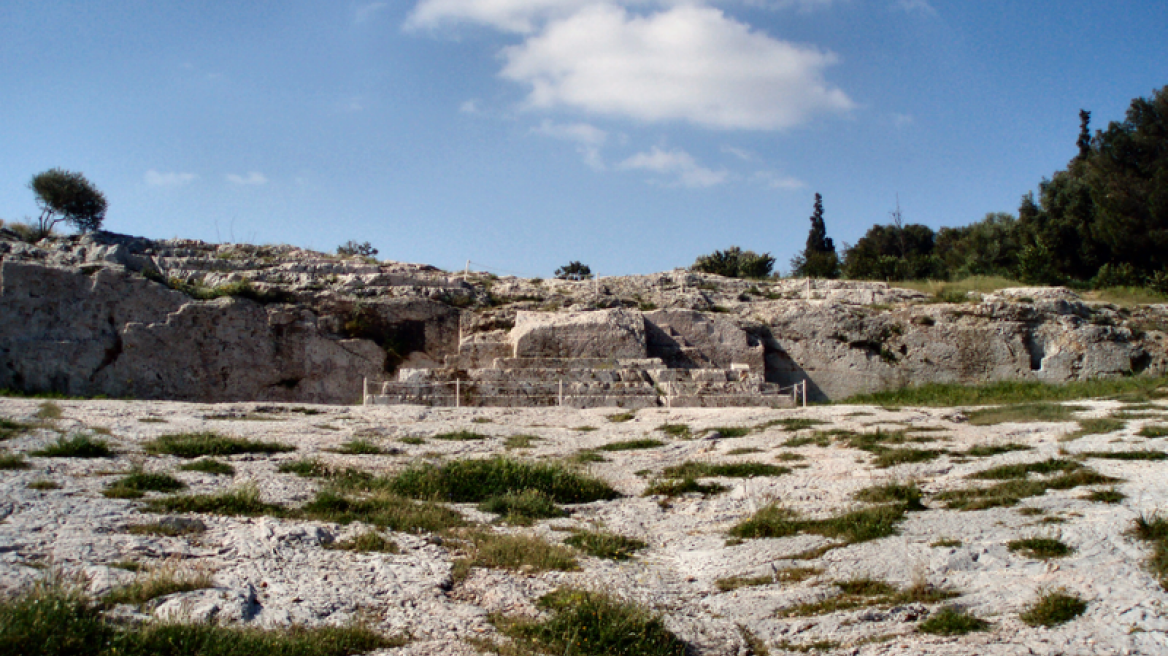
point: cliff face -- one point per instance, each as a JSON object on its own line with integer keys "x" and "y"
{"x": 179, "y": 319}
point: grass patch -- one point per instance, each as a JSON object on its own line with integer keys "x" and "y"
{"x": 791, "y": 424}
{"x": 906, "y": 494}
{"x": 478, "y": 480}
{"x": 526, "y": 553}
{"x": 744, "y": 450}
{"x": 1016, "y": 487}
{"x": 49, "y": 411}
{"x": 53, "y": 619}
{"x": 384, "y": 509}
{"x": 605, "y": 545}
{"x": 523, "y": 508}
{"x": 1007, "y": 472}
{"x": 414, "y": 441}
{"x": 1154, "y": 430}
{"x": 1154, "y": 529}
{"x": 1125, "y": 455}
{"x": 10, "y": 429}
{"x": 990, "y": 450}
{"x": 306, "y": 468}
{"x": 893, "y": 457}
{"x": 137, "y": 483}
{"x": 240, "y": 501}
{"x": 631, "y": 445}
{"x": 160, "y": 582}
{"x": 460, "y": 436}
{"x": 362, "y": 447}
{"x": 1111, "y": 495}
{"x": 593, "y": 624}
{"x": 621, "y": 417}
{"x": 1136, "y": 388}
{"x": 681, "y": 431}
{"x": 857, "y": 526}
{"x": 729, "y": 432}
{"x": 78, "y": 446}
{"x": 197, "y": 445}
{"x": 44, "y": 484}
{"x": 864, "y": 593}
{"x": 735, "y": 582}
{"x": 367, "y": 542}
{"x": 521, "y": 441}
{"x": 587, "y": 456}
{"x": 1053, "y": 608}
{"x": 1040, "y": 547}
{"x": 673, "y": 487}
{"x": 171, "y": 527}
{"x": 950, "y": 621}
{"x": 790, "y": 457}
{"x": 1096, "y": 426}
{"x": 209, "y": 466}
{"x": 152, "y": 420}
{"x": 946, "y": 542}
{"x": 691, "y": 469}
{"x": 818, "y": 439}
{"x": 1023, "y": 413}
{"x": 12, "y": 461}
{"x": 584, "y": 429}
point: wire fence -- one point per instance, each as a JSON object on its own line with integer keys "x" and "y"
{"x": 557, "y": 394}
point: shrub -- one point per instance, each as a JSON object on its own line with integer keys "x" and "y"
{"x": 363, "y": 249}
{"x": 574, "y": 271}
{"x": 735, "y": 263}
{"x": 195, "y": 445}
{"x": 78, "y": 446}
{"x": 1053, "y": 608}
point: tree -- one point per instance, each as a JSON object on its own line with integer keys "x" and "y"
{"x": 892, "y": 252}
{"x": 818, "y": 259}
{"x": 1084, "y": 142}
{"x": 364, "y": 249}
{"x": 67, "y": 196}
{"x": 735, "y": 263}
{"x": 574, "y": 271}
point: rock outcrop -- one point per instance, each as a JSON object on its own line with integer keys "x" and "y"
{"x": 106, "y": 314}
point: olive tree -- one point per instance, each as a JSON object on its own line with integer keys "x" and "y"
{"x": 67, "y": 196}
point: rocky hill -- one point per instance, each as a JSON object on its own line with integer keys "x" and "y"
{"x": 126, "y": 317}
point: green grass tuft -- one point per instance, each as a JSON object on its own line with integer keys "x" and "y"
{"x": 1125, "y": 455}
{"x": 631, "y": 445}
{"x": 384, "y": 509}
{"x": 195, "y": 445}
{"x": 12, "y": 461}
{"x": 158, "y": 583}
{"x": 137, "y": 483}
{"x": 866, "y": 592}
{"x": 605, "y": 545}
{"x": 791, "y": 424}
{"x": 1007, "y": 472}
{"x": 1154, "y": 430}
{"x": 989, "y": 450}
{"x": 209, "y": 466}
{"x": 43, "y": 484}
{"x": 673, "y": 487}
{"x": 951, "y": 621}
{"x": 691, "y": 469}
{"x": 857, "y": 526}
{"x": 460, "y": 436}
{"x": 527, "y": 553}
{"x": 1040, "y": 547}
{"x": 1096, "y": 426}
{"x": 681, "y": 431}
{"x": 78, "y": 446}
{"x": 10, "y": 429}
{"x": 240, "y": 501}
{"x": 463, "y": 481}
{"x": 621, "y": 417}
{"x": 907, "y": 494}
{"x": 523, "y": 508}
{"x": 1154, "y": 529}
{"x": 1106, "y": 496}
{"x": 730, "y": 432}
{"x": 362, "y": 447}
{"x": 1053, "y": 608}
{"x": 367, "y": 542}
{"x": 521, "y": 441}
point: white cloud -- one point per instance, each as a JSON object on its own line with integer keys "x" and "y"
{"x": 675, "y": 163}
{"x": 901, "y": 121}
{"x": 740, "y": 153}
{"x": 588, "y": 139}
{"x": 368, "y": 11}
{"x": 915, "y": 6}
{"x": 689, "y": 63}
{"x": 470, "y": 106}
{"x": 168, "y": 179}
{"x": 252, "y": 178}
{"x": 775, "y": 180}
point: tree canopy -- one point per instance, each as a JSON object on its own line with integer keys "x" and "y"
{"x": 67, "y": 196}
{"x": 818, "y": 259}
{"x": 735, "y": 263}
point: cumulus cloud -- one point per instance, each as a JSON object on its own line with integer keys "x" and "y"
{"x": 520, "y": 16}
{"x": 252, "y": 178}
{"x": 677, "y": 163}
{"x": 588, "y": 139}
{"x": 168, "y": 179}
{"x": 688, "y": 63}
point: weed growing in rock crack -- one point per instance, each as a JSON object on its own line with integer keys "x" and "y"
{"x": 196, "y": 445}
{"x": 818, "y": 439}
{"x": 592, "y": 624}
{"x": 735, "y": 582}
{"x": 240, "y": 501}
{"x": 1023, "y": 413}
{"x": 791, "y": 424}
{"x": 584, "y": 429}
{"x": 78, "y": 446}
{"x": 366, "y": 542}
{"x": 946, "y": 542}
{"x": 990, "y": 450}
{"x": 305, "y": 468}
{"x": 413, "y": 441}
{"x": 521, "y": 441}
{"x": 621, "y": 417}
{"x": 482, "y": 420}
{"x": 681, "y": 431}
{"x": 886, "y": 458}
{"x": 137, "y": 483}
{"x": 1125, "y": 455}
{"x": 527, "y": 553}
{"x": 12, "y": 461}
{"x": 790, "y": 457}
{"x": 1040, "y": 547}
{"x": 691, "y": 469}
{"x": 631, "y": 445}
{"x": 1096, "y": 426}
{"x": 151, "y": 420}
{"x": 950, "y": 621}
{"x": 382, "y": 508}
{"x": 478, "y": 480}
{"x": 863, "y": 593}
{"x": 165, "y": 580}
{"x": 49, "y": 411}
{"x": 460, "y": 436}
{"x": 10, "y": 429}
{"x": 43, "y": 484}
{"x": 1157, "y": 430}
{"x": 53, "y": 618}
{"x": 906, "y": 494}
{"x": 807, "y": 647}
{"x": 523, "y": 508}
{"x": 363, "y": 447}
{"x": 673, "y": 487}
{"x": 774, "y": 521}
{"x": 586, "y": 456}
{"x": 1154, "y": 529}
{"x": 209, "y": 466}
{"x": 1111, "y": 495}
{"x": 729, "y": 432}
{"x": 602, "y": 544}
{"x": 1053, "y": 608}
{"x": 170, "y": 528}
{"x": 755, "y": 646}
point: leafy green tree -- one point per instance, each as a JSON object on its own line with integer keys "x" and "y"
{"x": 364, "y": 249}
{"x": 735, "y": 263}
{"x": 818, "y": 259}
{"x": 892, "y": 252}
{"x": 574, "y": 271}
{"x": 986, "y": 248}
{"x": 67, "y": 196}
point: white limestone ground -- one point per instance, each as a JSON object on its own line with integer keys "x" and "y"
{"x": 274, "y": 572}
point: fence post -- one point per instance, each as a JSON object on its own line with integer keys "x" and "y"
{"x": 560, "y": 403}
{"x": 458, "y": 393}
{"x": 804, "y": 392}
{"x": 364, "y": 390}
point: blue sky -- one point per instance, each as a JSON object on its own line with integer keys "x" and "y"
{"x": 631, "y": 135}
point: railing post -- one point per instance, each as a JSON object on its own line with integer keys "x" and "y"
{"x": 364, "y": 390}
{"x": 804, "y": 392}
{"x": 560, "y": 403}
{"x": 458, "y": 393}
